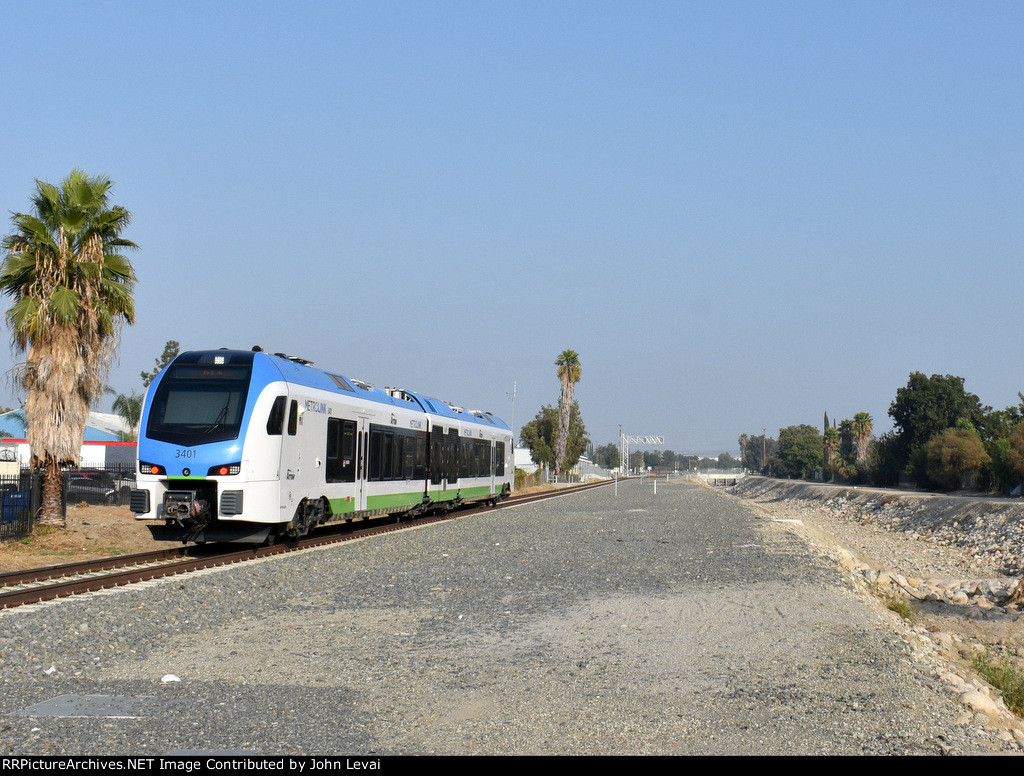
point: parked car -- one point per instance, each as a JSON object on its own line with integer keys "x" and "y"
{"x": 91, "y": 486}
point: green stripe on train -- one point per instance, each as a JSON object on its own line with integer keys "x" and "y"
{"x": 397, "y": 500}
{"x": 341, "y": 506}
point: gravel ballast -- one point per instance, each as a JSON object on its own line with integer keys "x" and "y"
{"x": 668, "y": 622}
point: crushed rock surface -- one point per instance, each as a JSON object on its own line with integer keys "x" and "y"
{"x": 676, "y": 624}
{"x": 954, "y": 559}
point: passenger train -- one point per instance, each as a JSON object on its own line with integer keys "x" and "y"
{"x": 245, "y": 446}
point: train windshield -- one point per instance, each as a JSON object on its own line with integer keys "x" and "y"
{"x": 198, "y": 403}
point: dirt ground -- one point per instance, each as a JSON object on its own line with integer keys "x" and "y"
{"x": 92, "y": 532}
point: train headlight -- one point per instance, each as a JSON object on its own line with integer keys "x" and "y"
{"x": 151, "y": 468}
{"x": 224, "y": 470}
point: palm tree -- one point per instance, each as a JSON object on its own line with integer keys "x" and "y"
{"x": 862, "y": 427}
{"x": 744, "y": 441}
{"x": 569, "y": 373}
{"x": 129, "y": 408}
{"x": 72, "y": 291}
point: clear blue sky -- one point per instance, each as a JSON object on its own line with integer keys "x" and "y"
{"x": 741, "y": 215}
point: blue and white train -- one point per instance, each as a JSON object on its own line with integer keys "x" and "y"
{"x": 244, "y": 446}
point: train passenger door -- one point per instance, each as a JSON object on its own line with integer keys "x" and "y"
{"x": 362, "y": 461}
{"x": 454, "y": 458}
{"x": 291, "y": 461}
{"x": 491, "y": 468}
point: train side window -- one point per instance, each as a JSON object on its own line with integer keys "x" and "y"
{"x": 499, "y": 459}
{"x": 348, "y": 451}
{"x": 420, "y": 467}
{"x": 434, "y": 461}
{"x": 397, "y": 456}
{"x": 452, "y": 468}
{"x": 333, "y": 443}
{"x": 275, "y": 423}
{"x": 376, "y": 443}
{"x": 408, "y": 458}
{"x": 293, "y": 418}
{"x": 387, "y": 443}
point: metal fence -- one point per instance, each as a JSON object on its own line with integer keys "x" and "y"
{"x": 17, "y": 515}
{"x": 22, "y": 494}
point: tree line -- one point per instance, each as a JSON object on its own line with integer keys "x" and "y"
{"x": 609, "y": 457}
{"x": 943, "y": 438}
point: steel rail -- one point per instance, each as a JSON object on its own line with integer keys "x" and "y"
{"x": 142, "y": 567}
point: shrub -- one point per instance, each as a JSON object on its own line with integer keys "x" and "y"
{"x": 954, "y": 455}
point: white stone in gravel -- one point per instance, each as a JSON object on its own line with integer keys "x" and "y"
{"x": 978, "y": 701}
{"x": 943, "y": 639}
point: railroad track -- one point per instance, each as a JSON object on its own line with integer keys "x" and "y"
{"x": 19, "y": 588}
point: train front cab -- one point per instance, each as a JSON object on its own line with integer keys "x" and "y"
{"x": 199, "y": 465}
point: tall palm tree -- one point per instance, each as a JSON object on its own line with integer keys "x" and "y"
{"x": 862, "y": 427}
{"x": 569, "y": 373}
{"x": 72, "y": 291}
{"x": 744, "y": 441}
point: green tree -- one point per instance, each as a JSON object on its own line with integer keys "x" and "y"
{"x": 1001, "y": 470}
{"x": 953, "y": 456}
{"x": 759, "y": 451}
{"x": 607, "y": 456}
{"x": 830, "y": 450}
{"x": 171, "y": 350}
{"x": 862, "y": 426}
{"x": 636, "y": 461}
{"x": 799, "y": 452}
{"x": 569, "y": 373}
{"x": 1015, "y": 454}
{"x": 539, "y": 436}
{"x": 925, "y": 407}
{"x": 72, "y": 290}
{"x": 847, "y": 450}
